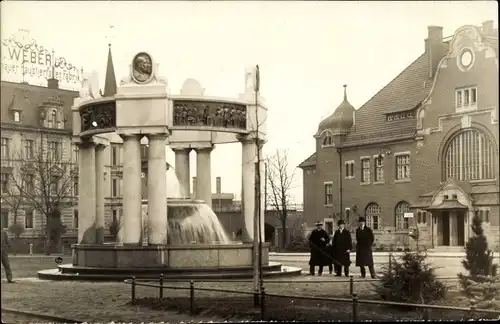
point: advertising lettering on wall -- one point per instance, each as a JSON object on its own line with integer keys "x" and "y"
{"x": 24, "y": 60}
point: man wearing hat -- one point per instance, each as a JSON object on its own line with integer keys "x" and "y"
{"x": 317, "y": 242}
{"x": 341, "y": 246}
{"x": 364, "y": 242}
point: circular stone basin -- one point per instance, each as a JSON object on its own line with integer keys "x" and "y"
{"x": 197, "y": 261}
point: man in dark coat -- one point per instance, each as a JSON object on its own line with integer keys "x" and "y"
{"x": 5, "y": 257}
{"x": 341, "y": 246}
{"x": 364, "y": 242}
{"x": 317, "y": 242}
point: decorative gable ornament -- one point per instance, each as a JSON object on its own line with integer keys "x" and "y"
{"x": 143, "y": 70}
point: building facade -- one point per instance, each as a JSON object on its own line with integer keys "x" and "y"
{"x": 421, "y": 154}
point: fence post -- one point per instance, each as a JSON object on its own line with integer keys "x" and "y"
{"x": 351, "y": 285}
{"x": 133, "y": 290}
{"x": 262, "y": 302}
{"x": 390, "y": 260}
{"x": 354, "y": 308}
{"x": 191, "y": 297}
{"x": 161, "y": 286}
{"x": 427, "y": 316}
{"x": 472, "y": 309}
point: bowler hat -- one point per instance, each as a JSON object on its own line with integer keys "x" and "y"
{"x": 319, "y": 223}
{"x": 361, "y": 219}
{"x": 340, "y": 222}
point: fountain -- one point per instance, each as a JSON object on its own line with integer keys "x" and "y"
{"x": 194, "y": 244}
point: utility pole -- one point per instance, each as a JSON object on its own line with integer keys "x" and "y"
{"x": 257, "y": 237}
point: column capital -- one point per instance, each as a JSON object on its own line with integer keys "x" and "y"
{"x": 251, "y": 140}
{"x": 131, "y": 136}
{"x": 157, "y": 136}
{"x": 181, "y": 149}
{"x": 204, "y": 149}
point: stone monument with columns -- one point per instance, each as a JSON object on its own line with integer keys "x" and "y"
{"x": 141, "y": 108}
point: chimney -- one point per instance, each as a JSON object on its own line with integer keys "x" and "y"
{"x": 434, "y": 48}
{"x": 52, "y": 83}
{"x": 194, "y": 186}
{"x": 218, "y": 185}
{"x": 488, "y": 27}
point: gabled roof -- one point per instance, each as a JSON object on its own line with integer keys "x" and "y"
{"x": 310, "y": 161}
{"x": 35, "y": 96}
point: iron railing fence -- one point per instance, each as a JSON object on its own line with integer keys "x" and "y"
{"x": 354, "y": 300}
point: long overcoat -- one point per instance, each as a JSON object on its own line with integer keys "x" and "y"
{"x": 341, "y": 243}
{"x": 317, "y": 242}
{"x": 364, "y": 242}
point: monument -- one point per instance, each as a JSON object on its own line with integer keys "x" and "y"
{"x": 170, "y": 233}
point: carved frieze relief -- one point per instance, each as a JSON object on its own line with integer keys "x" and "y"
{"x": 101, "y": 115}
{"x": 213, "y": 114}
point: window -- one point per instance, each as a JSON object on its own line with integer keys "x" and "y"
{"x": 4, "y": 185}
{"x": 114, "y": 187}
{"x": 30, "y": 183}
{"x": 403, "y": 167}
{"x": 144, "y": 151}
{"x": 54, "y": 150}
{"x": 28, "y": 148}
{"x": 421, "y": 217}
{"x": 17, "y": 116}
{"x": 469, "y": 156}
{"x": 466, "y": 99}
{"x": 54, "y": 185}
{"x": 5, "y": 218}
{"x": 379, "y": 169}
{"x": 402, "y": 223}
{"x": 75, "y": 186}
{"x": 5, "y": 148}
{"x": 76, "y": 151}
{"x": 365, "y": 170}
{"x": 328, "y": 140}
{"x": 75, "y": 218}
{"x": 53, "y": 119}
{"x": 28, "y": 218}
{"x": 115, "y": 215}
{"x": 372, "y": 213}
{"x": 349, "y": 170}
{"x": 329, "y": 228}
{"x": 328, "y": 193}
{"x": 483, "y": 214}
{"x": 114, "y": 155}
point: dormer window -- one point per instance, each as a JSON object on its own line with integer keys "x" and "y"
{"x": 53, "y": 118}
{"x": 466, "y": 99}
{"x": 328, "y": 140}
{"x": 17, "y": 116}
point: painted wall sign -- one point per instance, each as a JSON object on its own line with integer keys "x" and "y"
{"x": 24, "y": 60}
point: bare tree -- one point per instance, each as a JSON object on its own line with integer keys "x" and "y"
{"x": 45, "y": 181}
{"x": 15, "y": 201}
{"x": 280, "y": 180}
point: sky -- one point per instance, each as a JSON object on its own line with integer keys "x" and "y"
{"x": 306, "y": 51}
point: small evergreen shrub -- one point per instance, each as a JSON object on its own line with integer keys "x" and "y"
{"x": 410, "y": 280}
{"x": 482, "y": 282}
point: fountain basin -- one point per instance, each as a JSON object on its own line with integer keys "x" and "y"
{"x": 119, "y": 262}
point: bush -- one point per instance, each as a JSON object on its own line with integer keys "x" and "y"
{"x": 114, "y": 229}
{"x": 298, "y": 244}
{"x": 410, "y": 280}
{"x": 482, "y": 283}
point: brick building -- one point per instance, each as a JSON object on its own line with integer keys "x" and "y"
{"x": 427, "y": 144}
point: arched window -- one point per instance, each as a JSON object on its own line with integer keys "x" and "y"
{"x": 17, "y": 116}
{"x": 328, "y": 140}
{"x": 402, "y": 223}
{"x": 53, "y": 118}
{"x": 469, "y": 156}
{"x": 372, "y": 213}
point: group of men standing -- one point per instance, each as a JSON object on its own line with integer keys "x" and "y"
{"x": 335, "y": 252}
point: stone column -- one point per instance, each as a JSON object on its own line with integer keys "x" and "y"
{"x": 87, "y": 194}
{"x": 248, "y": 168}
{"x": 453, "y": 228}
{"x": 132, "y": 214}
{"x": 182, "y": 171}
{"x": 157, "y": 190}
{"x": 204, "y": 175}
{"x": 99, "y": 190}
